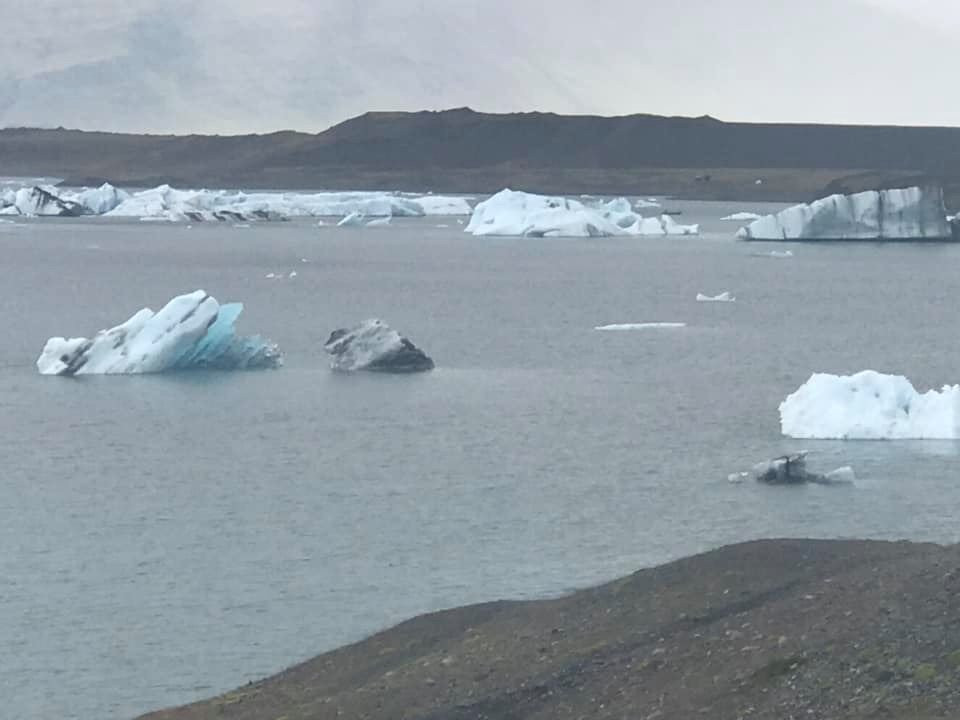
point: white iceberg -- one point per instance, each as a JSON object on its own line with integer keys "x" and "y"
{"x": 743, "y": 216}
{"x": 870, "y": 406}
{"x": 725, "y": 297}
{"x": 39, "y": 201}
{"x": 640, "y": 326}
{"x": 165, "y": 202}
{"x": 191, "y": 331}
{"x": 514, "y": 213}
{"x": 98, "y": 201}
{"x": 908, "y": 214}
{"x": 373, "y": 345}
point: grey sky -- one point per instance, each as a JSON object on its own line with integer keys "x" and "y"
{"x": 237, "y": 65}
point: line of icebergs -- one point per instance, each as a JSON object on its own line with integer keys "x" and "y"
{"x": 171, "y": 204}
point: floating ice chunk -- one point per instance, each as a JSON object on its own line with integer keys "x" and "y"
{"x": 722, "y": 297}
{"x": 792, "y": 470}
{"x": 292, "y": 274}
{"x": 379, "y": 222}
{"x": 844, "y": 475}
{"x": 439, "y": 205}
{"x": 641, "y": 326}
{"x": 372, "y": 345}
{"x": 354, "y": 219}
{"x": 511, "y": 213}
{"x": 908, "y": 214}
{"x": 743, "y": 216}
{"x": 870, "y": 406}
{"x": 190, "y": 331}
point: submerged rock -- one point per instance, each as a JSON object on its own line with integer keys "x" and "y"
{"x": 373, "y": 345}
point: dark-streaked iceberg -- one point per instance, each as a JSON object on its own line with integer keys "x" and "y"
{"x": 373, "y": 345}
{"x": 192, "y": 331}
{"x": 906, "y": 214}
{"x": 37, "y": 200}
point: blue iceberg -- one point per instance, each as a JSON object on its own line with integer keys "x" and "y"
{"x": 192, "y": 331}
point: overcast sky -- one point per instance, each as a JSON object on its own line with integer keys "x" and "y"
{"x": 234, "y": 66}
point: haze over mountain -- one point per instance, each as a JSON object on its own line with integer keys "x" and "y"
{"x": 244, "y": 66}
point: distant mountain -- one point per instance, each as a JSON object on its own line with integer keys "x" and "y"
{"x": 466, "y": 151}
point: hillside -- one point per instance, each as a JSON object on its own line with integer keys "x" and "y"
{"x": 771, "y": 629}
{"x": 465, "y": 151}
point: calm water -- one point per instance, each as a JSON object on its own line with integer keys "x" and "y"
{"x": 165, "y": 538}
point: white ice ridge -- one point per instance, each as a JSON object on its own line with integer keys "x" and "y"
{"x": 177, "y": 205}
{"x": 722, "y": 297}
{"x": 641, "y": 326}
{"x": 191, "y": 331}
{"x": 869, "y": 406}
{"x": 513, "y": 213}
{"x": 743, "y": 216}
{"x": 911, "y": 213}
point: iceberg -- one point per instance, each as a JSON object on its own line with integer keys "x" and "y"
{"x": 521, "y": 214}
{"x": 743, "y": 216}
{"x": 906, "y": 214}
{"x": 354, "y": 219}
{"x": 870, "y": 406}
{"x": 97, "y": 201}
{"x": 167, "y": 203}
{"x": 722, "y": 297}
{"x": 191, "y": 331}
{"x": 373, "y": 345}
{"x": 792, "y": 470}
{"x": 39, "y": 201}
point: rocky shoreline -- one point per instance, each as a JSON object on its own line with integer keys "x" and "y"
{"x": 777, "y": 629}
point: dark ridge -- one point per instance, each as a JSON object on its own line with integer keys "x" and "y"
{"x": 463, "y": 150}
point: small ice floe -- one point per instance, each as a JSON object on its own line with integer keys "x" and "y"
{"x": 792, "y": 470}
{"x": 641, "y": 326}
{"x": 241, "y": 226}
{"x": 320, "y": 223}
{"x": 774, "y": 254}
{"x": 459, "y": 222}
{"x": 724, "y": 297}
{"x": 271, "y": 276}
{"x": 354, "y": 219}
{"x": 379, "y": 222}
{"x": 743, "y": 216}
{"x": 304, "y": 260}
{"x": 443, "y": 226}
{"x": 292, "y": 274}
